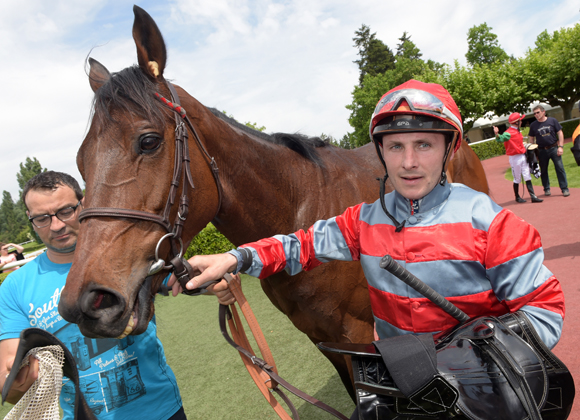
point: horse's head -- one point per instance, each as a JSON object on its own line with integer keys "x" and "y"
{"x": 127, "y": 161}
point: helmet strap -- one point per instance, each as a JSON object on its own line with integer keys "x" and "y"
{"x": 398, "y": 225}
{"x": 444, "y": 169}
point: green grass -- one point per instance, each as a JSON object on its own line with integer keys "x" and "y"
{"x": 570, "y": 166}
{"x": 213, "y": 381}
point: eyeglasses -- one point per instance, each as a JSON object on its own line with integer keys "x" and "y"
{"x": 537, "y": 112}
{"x": 418, "y": 100}
{"x": 63, "y": 215}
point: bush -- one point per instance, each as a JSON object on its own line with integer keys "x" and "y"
{"x": 488, "y": 149}
{"x": 568, "y": 127}
{"x": 208, "y": 241}
{"x": 2, "y": 277}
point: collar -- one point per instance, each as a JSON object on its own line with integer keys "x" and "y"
{"x": 412, "y": 210}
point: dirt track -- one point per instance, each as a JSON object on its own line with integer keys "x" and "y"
{"x": 558, "y": 221}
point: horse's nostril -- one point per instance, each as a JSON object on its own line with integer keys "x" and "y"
{"x": 105, "y": 300}
{"x": 100, "y": 302}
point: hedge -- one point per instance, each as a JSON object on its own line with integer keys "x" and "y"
{"x": 568, "y": 127}
{"x": 488, "y": 149}
{"x": 208, "y": 241}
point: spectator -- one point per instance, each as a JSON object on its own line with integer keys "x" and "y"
{"x": 7, "y": 257}
{"x": 122, "y": 378}
{"x": 514, "y": 146}
{"x": 547, "y": 133}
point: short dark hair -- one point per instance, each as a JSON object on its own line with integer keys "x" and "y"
{"x": 51, "y": 180}
{"x": 538, "y": 107}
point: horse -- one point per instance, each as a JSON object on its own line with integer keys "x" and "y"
{"x": 267, "y": 184}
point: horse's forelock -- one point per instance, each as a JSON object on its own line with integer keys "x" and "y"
{"x": 129, "y": 91}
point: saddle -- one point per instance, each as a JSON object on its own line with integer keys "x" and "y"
{"x": 483, "y": 368}
{"x": 486, "y": 368}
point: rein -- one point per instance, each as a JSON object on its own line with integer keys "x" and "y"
{"x": 263, "y": 371}
{"x": 181, "y": 169}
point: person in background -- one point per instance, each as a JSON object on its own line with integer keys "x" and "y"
{"x": 124, "y": 378}
{"x": 513, "y": 142}
{"x": 6, "y": 257}
{"x": 547, "y": 133}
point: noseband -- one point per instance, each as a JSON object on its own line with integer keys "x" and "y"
{"x": 181, "y": 169}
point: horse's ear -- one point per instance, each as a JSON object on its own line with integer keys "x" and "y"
{"x": 98, "y": 75}
{"x": 151, "y": 52}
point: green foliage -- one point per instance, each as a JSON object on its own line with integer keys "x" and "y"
{"x": 29, "y": 169}
{"x": 407, "y": 48}
{"x": 3, "y": 277}
{"x": 13, "y": 222}
{"x": 483, "y": 46}
{"x": 208, "y": 241}
{"x": 375, "y": 56}
{"x": 255, "y": 126}
{"x": 488, "y": 149}
{"x": 568, "y": 127}
{"x": 553, "y": 68}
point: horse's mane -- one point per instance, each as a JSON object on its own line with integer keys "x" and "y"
{"x": 132, "y": 91}
{"x": 303, "y": 145}
{"x": 129, "y": 90}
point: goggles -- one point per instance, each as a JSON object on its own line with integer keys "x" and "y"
{"x": 418, "y": 101}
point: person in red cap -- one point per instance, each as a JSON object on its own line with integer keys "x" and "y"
{"x": 514, "y": 146}
{"x": 483, "y": 258}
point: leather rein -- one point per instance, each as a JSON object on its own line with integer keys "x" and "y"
{"x": 182, "y": 170}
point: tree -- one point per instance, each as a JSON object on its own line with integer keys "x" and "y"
{"x": 28, "y": 169}
{"x": 10, "y": 225}
{"x": 375, "y": 56}
{"x": 407, "y": 48}
{"x": 483, "y": 46}
{"x": 554, "y": 68}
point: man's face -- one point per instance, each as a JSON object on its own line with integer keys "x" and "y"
{"x": 539, "y": 114}
{"x": 414, "y": 162}
{"x": 58, "y": 236}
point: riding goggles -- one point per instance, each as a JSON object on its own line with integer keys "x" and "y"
{"x": 418, "y": 101}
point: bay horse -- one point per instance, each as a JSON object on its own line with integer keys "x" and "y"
{"x": 269, "y": 184}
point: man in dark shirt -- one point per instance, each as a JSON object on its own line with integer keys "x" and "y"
{"x": 547, "y": 133}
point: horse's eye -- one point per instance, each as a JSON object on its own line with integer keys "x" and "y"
{"x": 149, "y": 143}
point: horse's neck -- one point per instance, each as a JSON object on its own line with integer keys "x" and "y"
{"x": 270, "y": 189}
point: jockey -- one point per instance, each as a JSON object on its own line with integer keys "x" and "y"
{"x": 483, "y": 258}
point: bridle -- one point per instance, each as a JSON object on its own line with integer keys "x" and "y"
{"x": 181, "y": 170}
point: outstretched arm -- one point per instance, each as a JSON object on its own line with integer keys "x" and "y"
{"x": 210, "y": 267}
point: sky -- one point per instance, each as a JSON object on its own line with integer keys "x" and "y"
{"x": 286, "y": 65}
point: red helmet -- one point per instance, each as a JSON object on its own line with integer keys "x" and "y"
{"x": 416, "y": 106}
{"x": 515, "y": 117}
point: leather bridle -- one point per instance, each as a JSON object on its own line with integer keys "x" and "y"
{"x": 181, "y": 170}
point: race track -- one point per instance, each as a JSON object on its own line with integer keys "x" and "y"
{"x": 558, "y": 221}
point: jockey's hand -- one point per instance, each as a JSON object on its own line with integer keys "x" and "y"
{"x": 496, "y": 130}
{"x": 210, "y": 267}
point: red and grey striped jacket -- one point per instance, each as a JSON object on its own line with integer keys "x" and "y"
{"x": 483, "y": 258}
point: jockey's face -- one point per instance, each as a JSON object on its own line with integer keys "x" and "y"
{"x": 414, "y": 161}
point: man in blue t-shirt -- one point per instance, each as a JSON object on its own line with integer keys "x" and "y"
{"x": 120, "y": 378}
{"x": 547, "y": 133}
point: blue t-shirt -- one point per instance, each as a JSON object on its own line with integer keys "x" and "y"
{"x": 120, "y": 379}
{"x": 545, "y": 133}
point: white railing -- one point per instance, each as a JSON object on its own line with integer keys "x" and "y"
{"x": 27, "y": 258}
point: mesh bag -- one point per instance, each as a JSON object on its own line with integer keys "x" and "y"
{"x": 40, "y": 402}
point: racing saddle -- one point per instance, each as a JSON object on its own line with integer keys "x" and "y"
{"x": 483, "y": 368}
